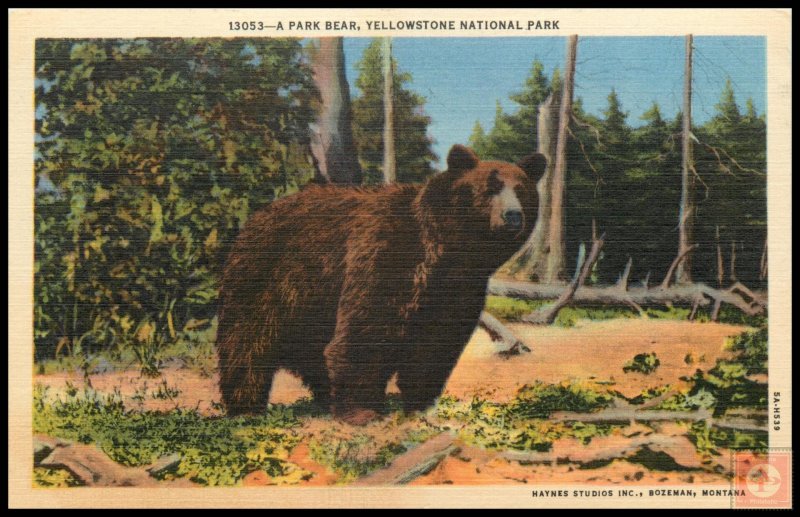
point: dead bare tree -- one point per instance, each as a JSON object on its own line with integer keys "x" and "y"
{"x": 332, "y": 143}
{"x": 531, "y": 260}
{"x": 675, "y": 265}
{"x": 687, "y": 208}
{"x": 389, "y": 158}
{"x": 556, "y": 252}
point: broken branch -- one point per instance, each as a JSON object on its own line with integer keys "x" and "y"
{"x": 500, "y": 333}
{"x": 547, "y": 315}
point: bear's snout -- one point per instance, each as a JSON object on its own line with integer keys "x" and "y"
{"x": 513, "y": 219}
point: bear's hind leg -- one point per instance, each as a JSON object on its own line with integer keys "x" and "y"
{"x": 316, "y": 378}
{"x": 248, "y": 396}
{"x": 245, "y": 385}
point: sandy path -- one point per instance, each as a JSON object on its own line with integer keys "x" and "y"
{"x": 590, "y": 351}
{"x": 593, "y": 351}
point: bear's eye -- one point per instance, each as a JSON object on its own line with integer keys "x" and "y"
{"x": 494, "y": 184}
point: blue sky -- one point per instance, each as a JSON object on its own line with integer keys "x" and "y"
{"x": 463, "y": 78}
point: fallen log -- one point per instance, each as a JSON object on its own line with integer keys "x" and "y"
{"x": 90, "y": 466}
{"x": 499, "y": 333}
{"x": 626, "y": 416}
{"x": 413, "y": 464}
{"x": 679, "y": 448}
{"x": 747, "y": 301}
{"x": 622, "y": 412}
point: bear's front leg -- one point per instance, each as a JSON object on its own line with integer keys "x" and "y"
{"x": 358, "y": 376}
{"x": 423, "y": 375}
{"x": 362, "y": 354}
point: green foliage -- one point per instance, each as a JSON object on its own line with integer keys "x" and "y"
{"x": 728, "y": 384}
{"x": 539, "y": 400}
{"x": 166, "y": 392}
{"x": 347, "y": 456}
{"x": 522, "y": 423}
{"x": 214, "y": 451}
{"x": 734, "y": 316}
{"x": 53, "y": 478}
{"x": 511, "y": 309}
{"x": 752, "y": 349}
{"x": 692, "y": 401}
{"x": 735, "y": 197}
{"x": 646, "y": 394}
{"x": 414, "y": 153}
{"x": 708, "y": 439}
{"x": 193, "y": 348}
{"x": 674, "y": 313}
{"x": 642, "y": 363}
{"x": 150, "y": 155}
{"x": 569, "y": 316}
{"x": 356, "y": 455}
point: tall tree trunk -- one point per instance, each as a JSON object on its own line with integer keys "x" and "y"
{"x": 530, "y": 262}
{"x": 555, "y": 258}
{"x": 389, "y": 158}
{"x": 332, "y": 135}
{"x": 686, "y": 216}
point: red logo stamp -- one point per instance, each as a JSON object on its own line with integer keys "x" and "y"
{"x": 762, "y": 479}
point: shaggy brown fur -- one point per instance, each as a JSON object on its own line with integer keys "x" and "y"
{"x": 347, "y": 286}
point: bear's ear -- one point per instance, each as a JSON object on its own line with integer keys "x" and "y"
{"x": 533, "y": 165}
{"x": 461, "y": 158}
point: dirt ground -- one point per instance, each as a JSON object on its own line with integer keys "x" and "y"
{"x": 590, "y": 351}
{"x": 594, "y": 351}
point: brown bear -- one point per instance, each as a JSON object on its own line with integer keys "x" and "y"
{"x": 347, "y": 286}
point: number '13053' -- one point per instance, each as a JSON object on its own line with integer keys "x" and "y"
{"x": 246, "y": 26}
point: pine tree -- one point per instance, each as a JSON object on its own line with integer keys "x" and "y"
{"x": 413, "y": 145}
{"x": 653, "y": 117}
{"x": 750, "y": 110}
{"x": 477, "y": 140}
{"x": 617, "y": 132}
{"x": 728, "y": 115}
{"x": 523, "y": 122}
{"x": 513, "y": 136}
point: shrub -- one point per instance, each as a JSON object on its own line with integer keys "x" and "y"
{"x": 642, "y": 363}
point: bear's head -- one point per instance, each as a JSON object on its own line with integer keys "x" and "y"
{"x": 486, "y": 207}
